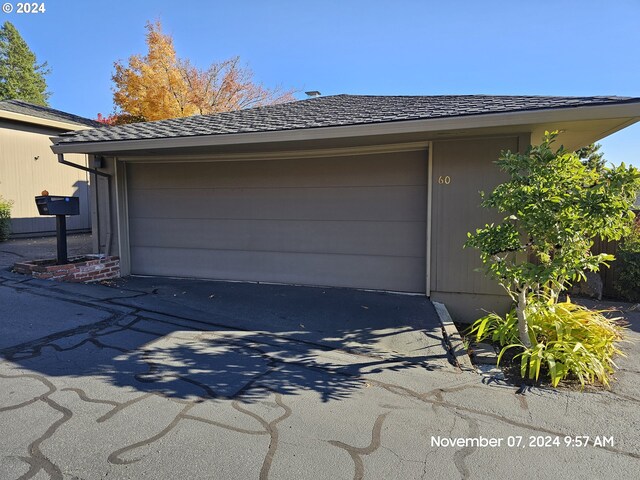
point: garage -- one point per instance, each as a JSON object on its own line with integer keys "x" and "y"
{"x": 361, "y": 191}
{"x": 349, "y": 221}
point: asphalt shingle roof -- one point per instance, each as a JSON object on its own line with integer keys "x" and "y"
{"x": 332, "y": 111}
{"x": 26, "y": 108}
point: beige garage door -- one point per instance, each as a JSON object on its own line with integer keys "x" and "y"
{"x": 356, "y": 221}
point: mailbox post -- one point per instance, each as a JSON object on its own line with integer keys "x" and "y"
{"x": 61, "y": 239}
{"x": 60, "y": 207}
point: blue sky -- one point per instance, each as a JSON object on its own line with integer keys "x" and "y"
{"x": 398, "y": 47}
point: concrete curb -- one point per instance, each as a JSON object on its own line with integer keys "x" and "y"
{"x": 453, "y": 338}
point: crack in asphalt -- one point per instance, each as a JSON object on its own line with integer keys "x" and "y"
{"x": 34, "y": 468}
{"x": 436, "y": 398}
{"x": 356, "y": 453}
{"x": 400, "y": 457}
{"x": 114, "y": 457}
{"x": 35, "y": 346}
{"x": 424, "y": 397}
{"x": 36, "y": 460}
{"x": 91, "y": 302}
{"x": 437, "y": 394}
{"x": 117, "y": 406}
{"x": 460, "y": 456}
{"x": 274, "y": 434}
{"x": 269, "y": 428}
{"x": 624, "y": 397}
{"x": 34, "y": 449}
{"x": 136, "y": 311}
{"x": 425, "y": 464}
{"x": 12, "y": 253}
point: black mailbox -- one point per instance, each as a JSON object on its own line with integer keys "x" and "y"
{"x": 60, "y": 207}
{"x": 57, "y": 205}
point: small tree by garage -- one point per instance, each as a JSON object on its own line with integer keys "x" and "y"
{"x": 555, "y": 205}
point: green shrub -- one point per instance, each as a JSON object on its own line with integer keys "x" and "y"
{"x": 553, "y": 205}
{"x": 5, "y": 218}
{"x": 628, "y": 260}
{"x": 503, "y": 331}
{"x": 567, "y": 341}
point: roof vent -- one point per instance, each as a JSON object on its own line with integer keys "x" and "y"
{"x": 313, "y": 93}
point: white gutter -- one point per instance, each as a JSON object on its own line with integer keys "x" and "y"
{"x": 20, "y": 117}
{"x": 596, "y": 112}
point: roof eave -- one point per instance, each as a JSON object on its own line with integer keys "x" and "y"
{"x": 529, "y": 117}
{"x": 22, "y": 118}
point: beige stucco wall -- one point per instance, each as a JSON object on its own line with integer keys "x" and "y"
{"x": 28, "y": 166}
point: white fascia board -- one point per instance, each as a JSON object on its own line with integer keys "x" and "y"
{"x": 432, "y": 125}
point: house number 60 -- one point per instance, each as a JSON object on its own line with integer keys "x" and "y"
{"x": 446, "y": 180}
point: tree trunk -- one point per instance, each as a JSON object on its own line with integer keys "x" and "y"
{"x": 523, "y": 325}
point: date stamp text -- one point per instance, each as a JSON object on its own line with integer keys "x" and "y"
{"x": 519, "y": 441}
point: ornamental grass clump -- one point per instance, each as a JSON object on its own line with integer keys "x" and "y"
{"x": 568, "y": 341}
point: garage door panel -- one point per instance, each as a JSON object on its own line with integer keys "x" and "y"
{"x": 361, "y": 237}
{"x": 374, "y": 272}
{"x": 385, "y": 203}
{"x": 409, "y": 168}
{"x": 357, "y": 221}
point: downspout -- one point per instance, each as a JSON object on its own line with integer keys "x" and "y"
{"x": 97, "y": 209}
{"x": 108, "y": 176}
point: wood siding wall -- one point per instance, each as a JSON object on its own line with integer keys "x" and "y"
{"x": 461, "y": 169}
{"x": 28, "y": 166}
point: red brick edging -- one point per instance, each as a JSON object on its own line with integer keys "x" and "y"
{"x": 92, "y": 269}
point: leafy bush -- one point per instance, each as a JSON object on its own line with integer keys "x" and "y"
{"x": 554, "y": 205}
{"x": 567, "y": 341}
{"x": 5, "y": 218}
{"x": 628, "y": 259}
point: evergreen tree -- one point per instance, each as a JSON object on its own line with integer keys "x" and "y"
{"x": 21, "y": 77}
{"x": 591, "y": 156}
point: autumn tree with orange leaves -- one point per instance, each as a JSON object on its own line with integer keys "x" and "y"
{"x": 161, "y": 85}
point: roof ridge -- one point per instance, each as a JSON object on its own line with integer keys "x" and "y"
{"x": 472, "y": 95}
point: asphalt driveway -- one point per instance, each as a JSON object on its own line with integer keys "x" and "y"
{"x": 150, "y": 378}
{"x": 36, "y": 248}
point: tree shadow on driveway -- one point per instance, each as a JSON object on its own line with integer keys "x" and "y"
{"x": 243, "y": 340}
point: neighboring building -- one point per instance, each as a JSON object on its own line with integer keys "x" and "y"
{"x": 366, "y": 192}
{"x": 27, "y": 165}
